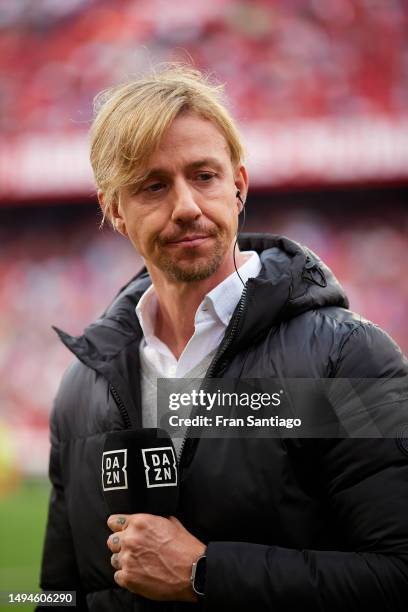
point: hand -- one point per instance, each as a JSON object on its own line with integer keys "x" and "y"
{"x": 153, "y": 556}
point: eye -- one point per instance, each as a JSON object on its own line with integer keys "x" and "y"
{"x": 205, "y": 177}
{"x": 154, "y": 187}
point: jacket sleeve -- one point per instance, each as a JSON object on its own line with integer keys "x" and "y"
{"x": 367, "y": 497}
{"x": 59, "y": 569}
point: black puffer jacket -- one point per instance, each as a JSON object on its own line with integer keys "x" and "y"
{"x": 292, "y": 525}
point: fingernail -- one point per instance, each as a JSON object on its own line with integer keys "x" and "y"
{"x": 121, "y": 520}
{"x": 115, "y": 540}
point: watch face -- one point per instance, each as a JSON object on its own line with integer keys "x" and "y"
{"x": 200, "y": 576}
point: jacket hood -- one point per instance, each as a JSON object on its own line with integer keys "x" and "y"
{"x": 292, "y": 280}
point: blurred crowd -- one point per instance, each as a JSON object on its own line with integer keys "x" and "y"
{"x": 282, "y": 59}
{"x": 66, "y": 274}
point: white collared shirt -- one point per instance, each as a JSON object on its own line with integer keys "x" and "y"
{"x": 210, "y": 322}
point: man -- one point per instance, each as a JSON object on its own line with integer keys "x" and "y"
{"x": 276, "y": 524}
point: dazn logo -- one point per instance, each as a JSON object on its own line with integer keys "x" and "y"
{"x": 160, "y": 466}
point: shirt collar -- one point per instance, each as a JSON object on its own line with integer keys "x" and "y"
{"x": 222, "y": 300}
{"x": 225, "y": 296}
{"x": 146, "y": 313}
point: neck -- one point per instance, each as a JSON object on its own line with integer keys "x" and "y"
{"x": 178, "y": 302}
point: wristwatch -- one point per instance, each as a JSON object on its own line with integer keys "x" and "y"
{"x": 199, "y": 575}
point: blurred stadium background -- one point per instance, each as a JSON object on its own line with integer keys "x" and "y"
{"x": 320, "y": 88}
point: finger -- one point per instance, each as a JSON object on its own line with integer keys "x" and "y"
{"x": 117, "y": 522}
{"x": 114, "y": 543}
{"x": 119, "y": 578}
{"x": 115, "y": 563}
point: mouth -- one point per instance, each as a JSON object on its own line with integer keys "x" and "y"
{"x": 190, "y": 240}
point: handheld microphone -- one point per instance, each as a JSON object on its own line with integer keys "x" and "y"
{"x": 139, "y": 472}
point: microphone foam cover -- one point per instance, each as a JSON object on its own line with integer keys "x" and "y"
{"x": 140, "y": 472}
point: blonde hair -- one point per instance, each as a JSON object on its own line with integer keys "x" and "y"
{"x": 131, "y": 118}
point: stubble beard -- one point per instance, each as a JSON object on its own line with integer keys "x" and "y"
{"x": 196, "y": 269}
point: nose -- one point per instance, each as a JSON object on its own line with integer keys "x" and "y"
{"x": 185, "y": 206}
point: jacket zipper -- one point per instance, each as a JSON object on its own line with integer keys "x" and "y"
{"x": 121, "y": 406}
{"x": 221, "y": 351}
{"x": 228, "y": 341}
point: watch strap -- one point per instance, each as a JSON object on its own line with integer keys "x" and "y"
{"x": 199, "y": 575}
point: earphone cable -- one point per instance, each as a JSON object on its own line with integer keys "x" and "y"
{"x": 242, "y": 223}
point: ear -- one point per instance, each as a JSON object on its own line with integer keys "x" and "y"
{"x": 241, "y": 183}
{"x": 116, "y": 216}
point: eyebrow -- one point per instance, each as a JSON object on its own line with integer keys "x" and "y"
{"x": 206, "y": 161}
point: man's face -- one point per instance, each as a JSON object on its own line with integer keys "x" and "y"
{"x": 183, "y": 218}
